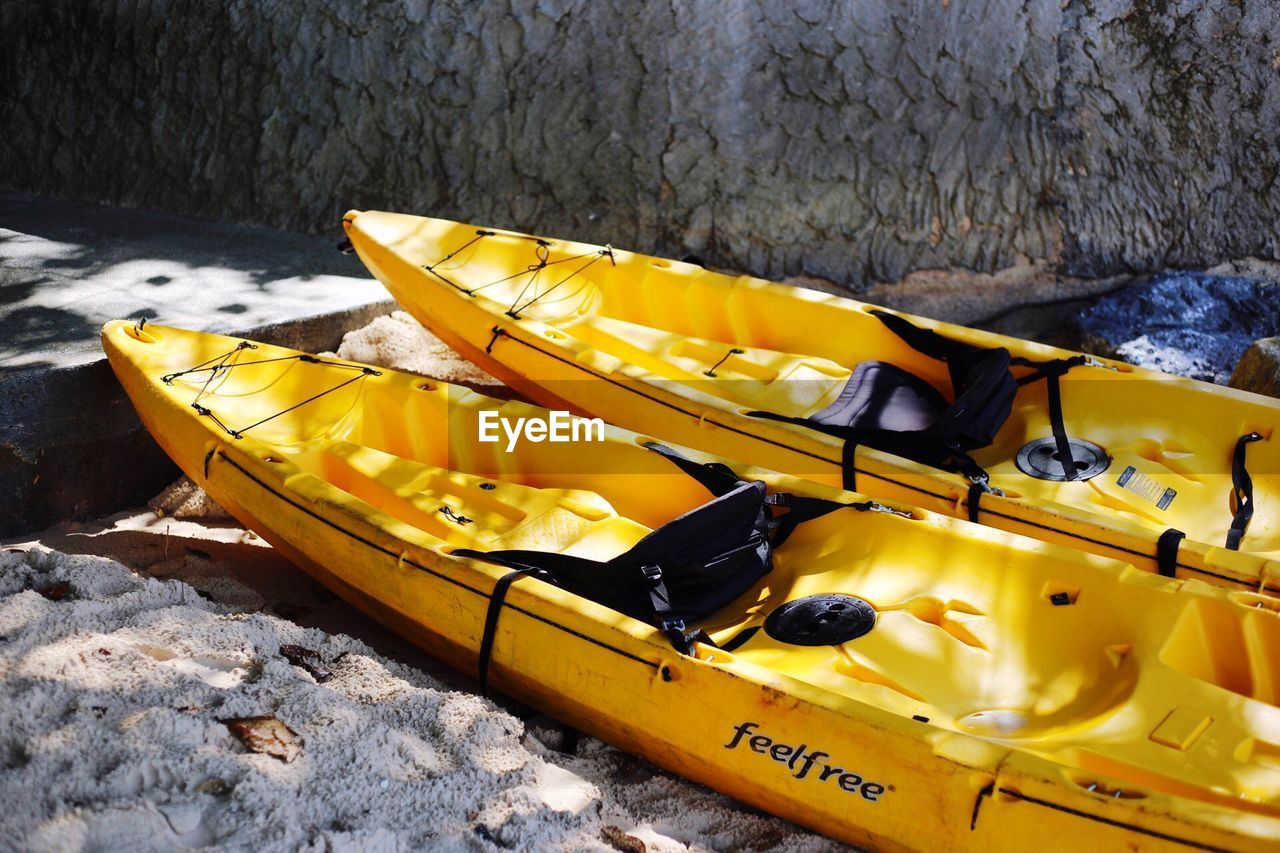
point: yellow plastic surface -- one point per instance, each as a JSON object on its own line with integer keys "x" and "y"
{"x": 1012, "y": 694}
{"x": 686, "y": 353}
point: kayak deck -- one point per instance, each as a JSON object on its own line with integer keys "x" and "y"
{"x": 1132, "y": 682}
{"x": 733, "y": 345}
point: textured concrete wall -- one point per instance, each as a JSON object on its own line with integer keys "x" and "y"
{"x": 854, "y": 140}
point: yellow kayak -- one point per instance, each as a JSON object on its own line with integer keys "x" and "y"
{"x": 1172, "y": 475}
{"x": 891, "y": 677}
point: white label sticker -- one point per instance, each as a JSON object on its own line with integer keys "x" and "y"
{"x": 1145, "y": 487}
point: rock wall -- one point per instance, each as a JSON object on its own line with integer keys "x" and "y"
{"x": 854, "y": 141}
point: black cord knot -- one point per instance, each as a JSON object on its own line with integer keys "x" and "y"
{"x": 450, "y": 514}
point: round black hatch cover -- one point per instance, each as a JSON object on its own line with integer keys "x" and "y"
{"x": 821, "y": 620}
{"x": 1040, "y": 459}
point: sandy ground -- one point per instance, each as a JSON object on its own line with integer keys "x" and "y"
{"x": 168, "y": 681}
{"x": 400, "y": 342}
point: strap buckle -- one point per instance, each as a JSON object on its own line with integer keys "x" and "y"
{"x": 873, "y": 506}
{"x": 672, "y": 626}
{"x": 983, "y": 482}
{"x": 1090, "y": 361}
{"x": 681, "y": 640}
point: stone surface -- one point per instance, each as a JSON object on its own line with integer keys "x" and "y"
{"x": 184, "y": 499}
{"x": 1192, "y": 324}
{"x": 71, "y": 446}
{"x": 851, "y": 141}
{"x": 982, "y": 299}
{"x": 67, "y": 268}
{"x": 1259, "y": 368}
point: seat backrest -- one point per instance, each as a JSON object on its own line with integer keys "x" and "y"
{"x": 708, "y": 556}
{"x": 985, "y": 390}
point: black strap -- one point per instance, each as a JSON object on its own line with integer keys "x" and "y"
{"x": 848, "y": 465}
{"x": 716, "y": 477}
{"x": 967, "y": 465}
{"x": 660, "y": 599}
{"x": 932, "y": 344}
{"x": 979, "y": 483}
{"x": 955, "y": 457}
{"x": 1167, "y": 552}
{"x": 1052, "y": 372}
{"x": 496, "y": 599}
{"x": 655, "y": 587}
{"x": 801, "y": 509}
{"x": 739, "y": 639}
{"x": 924, "y": 341}
{"x": 1242, "y": 488}
{"x": 976, "y": 490}
{"x": 1069, "y": 466}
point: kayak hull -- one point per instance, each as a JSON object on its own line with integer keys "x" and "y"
{"x": 887, "y": 781}
{"x": 566, "y": 364}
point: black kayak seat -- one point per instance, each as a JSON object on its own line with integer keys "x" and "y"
{"x": 682, "y": 572}
{"x": 883, "y": 396}
{"x": 891, "y": 409}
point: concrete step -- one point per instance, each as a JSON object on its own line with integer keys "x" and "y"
{"x": 71, "y": 446}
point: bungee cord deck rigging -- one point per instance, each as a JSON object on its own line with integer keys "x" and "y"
{"x": 220, "y": 366}
{"x": 533, "y": 270}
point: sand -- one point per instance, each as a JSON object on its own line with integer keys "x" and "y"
{"x": 400, "y": 342}
{"x": 118, "y": 682}
{"x": 135, "y": 648}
